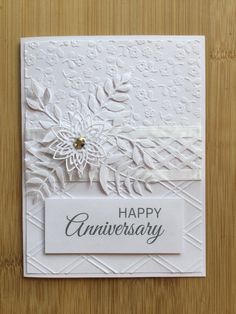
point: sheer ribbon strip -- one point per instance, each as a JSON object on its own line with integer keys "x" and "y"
{"x": 177, "y": 151}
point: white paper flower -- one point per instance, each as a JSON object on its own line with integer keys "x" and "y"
{"x": 79, "y": 142}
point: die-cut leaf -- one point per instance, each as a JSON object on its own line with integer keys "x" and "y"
{"x": 147, "y": 143}
{"x": 127, "y": 184}
{"x": 148, "y": 161}
{"x": 124, "y": 88}
{"x": 46, "y": 124}
{"x": 100, "y": 94}
{"x": 46, "y": 96}
{"x": 114, "y": 107}
{"x": 50, "y": 136}
{"x": 57, "y": 112}
{"x": 36, "y": 88}
{"x": 148, "y": 187}
{"x": 103, "y": 177}
{"x": 137, "y": 188}
{"x": 33, "y": 104}
{"x": 120, "y": 97}
{"x": 108, "y": 87}
{"x": 92, "y": 104}
{"x": 137, "y": 158}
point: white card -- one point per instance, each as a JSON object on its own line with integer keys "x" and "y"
{"x": 113, "y": 156}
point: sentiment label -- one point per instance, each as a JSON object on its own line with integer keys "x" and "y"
{"x": 113, "y": 225}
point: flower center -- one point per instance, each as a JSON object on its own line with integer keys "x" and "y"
{"x": 79, "y": 142}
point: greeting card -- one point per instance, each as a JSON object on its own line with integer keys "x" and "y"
{"x": 113, "y": 156}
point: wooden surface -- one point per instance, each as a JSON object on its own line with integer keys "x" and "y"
{"x": 214, "y": 294}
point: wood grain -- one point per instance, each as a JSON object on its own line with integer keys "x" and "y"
{"x": 217, "y": 292}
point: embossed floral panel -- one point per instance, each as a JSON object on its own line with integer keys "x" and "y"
{"x": 113, "y": 156}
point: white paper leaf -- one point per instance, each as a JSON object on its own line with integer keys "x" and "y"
{"x": 127, "y": 184}
{"x": 148, "y": 161}
{"x": 147, "y": 143}
{"x": 121, "y": 143}
{"x": 148, "y": 187}
{"x": 124, "y": 88}
{"x": 46, "y": 190}
{"x": 46, "y": 96}
{"x": 120, "y": 97}
{"x": 137, "y": 158}
{"x": 116, "y": 80}
{"x": 137, "y": 188}
{"x": 35, "y": 180}
{"x": 50, "y": 136}
{"x": 103, "y": 176}
{"x": 52, "y": 182}
{"x": 108, "y": 86}
{"x": 33, "y": 104}
{"x": 100, "y": 94}
{"x": 41, "y": 172}
{"x": 60, "y": 176}
{"x": 36, "y": 88}
{"x": 57, "y": 112}
{"x": 92, "y": 104}
{"x": 46, "y": 124}
{"x": 114, "y": 107}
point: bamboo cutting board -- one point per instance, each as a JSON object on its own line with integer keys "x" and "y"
{"x": 216, "y": 20}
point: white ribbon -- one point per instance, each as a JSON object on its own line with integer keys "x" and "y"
{"x": 188, "y": 168}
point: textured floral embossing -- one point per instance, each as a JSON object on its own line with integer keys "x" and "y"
{"x": 107, "y": 150}
{"x": 165, "y": 72}
{"x": 175, "y": 65}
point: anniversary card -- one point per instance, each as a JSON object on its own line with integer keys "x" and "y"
{"x": 113, "y": 156}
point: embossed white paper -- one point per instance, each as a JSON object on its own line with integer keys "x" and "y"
{"x": 116, "y": 118}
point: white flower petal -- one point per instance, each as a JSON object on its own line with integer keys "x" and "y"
{"x": 69, "y": 164}
{"x": 95, "y": 150}
{"x": 65, "y": 149}
{"x": 63, "y": 134}
{"x": 57, "y": 155}
{"x": 53, "y": 145}
{"x": 80, "y": 156}
{"x": 80, "y": 161}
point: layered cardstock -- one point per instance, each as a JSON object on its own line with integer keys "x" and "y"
{"x": 113, "y": 138}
